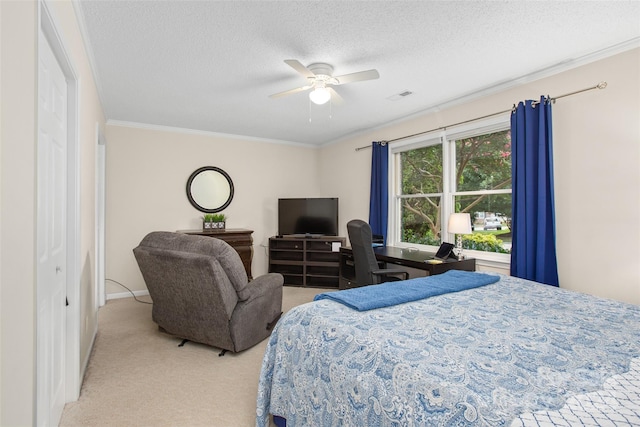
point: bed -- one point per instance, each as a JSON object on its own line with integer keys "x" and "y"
{"x": 510, "y": 353}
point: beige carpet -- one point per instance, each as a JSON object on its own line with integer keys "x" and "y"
{"x": 138, "y": 376}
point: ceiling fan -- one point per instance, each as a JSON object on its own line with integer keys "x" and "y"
{"x": 320, "y": 78}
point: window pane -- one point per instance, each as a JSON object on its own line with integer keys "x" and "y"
{"x": 484, "y": 162}
{"x": 420, "y": 220}
{"x": 478, "y": 181}
{"x": 491, "y": 219}
{"x": 422, "y": 170}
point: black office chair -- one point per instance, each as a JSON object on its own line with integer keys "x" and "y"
{"x": 368, "y": 272}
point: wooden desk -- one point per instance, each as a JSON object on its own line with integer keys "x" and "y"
{"x": 238, "y": 238}
{"x": 400, "y": 256}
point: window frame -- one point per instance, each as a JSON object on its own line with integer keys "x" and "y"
{"x": 447, "y": 137}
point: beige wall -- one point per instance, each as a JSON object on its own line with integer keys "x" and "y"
{"x": 147, "y": 172}
{"x": 18, "y": 139}
{"x": 17, "y": 243}
{"x": 597, "y": 164}
{"x": 597, "y": 170}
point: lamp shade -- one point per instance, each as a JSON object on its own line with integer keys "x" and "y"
{"x": 460, "y": 223}
{"x": 320, "y": 95}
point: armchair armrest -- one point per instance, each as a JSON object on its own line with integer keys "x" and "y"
{"x": 265, "y": 284}
{"x": 253, "y": 318}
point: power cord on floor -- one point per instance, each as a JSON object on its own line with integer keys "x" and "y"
{"x": 134, "y": 295}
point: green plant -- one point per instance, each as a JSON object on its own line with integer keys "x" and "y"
{"x": 217, "y": 217}
{"x": 426, "y": 238}
{"x": 483, "y": 242}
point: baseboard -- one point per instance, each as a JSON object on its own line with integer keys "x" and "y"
{"x": 127, "y": 294}
{"x": 85, "y": 363}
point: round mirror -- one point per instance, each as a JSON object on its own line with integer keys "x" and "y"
{"x": 210, "y": 189}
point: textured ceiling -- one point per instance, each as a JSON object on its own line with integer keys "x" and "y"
{"x": 211, "y": 65}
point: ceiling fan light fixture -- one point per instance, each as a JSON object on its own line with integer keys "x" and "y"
{"x": 320, "y": 95}
{"x": 320, "y": 77}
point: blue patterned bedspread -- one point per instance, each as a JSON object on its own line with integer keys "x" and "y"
{"x": 507, "y": 352}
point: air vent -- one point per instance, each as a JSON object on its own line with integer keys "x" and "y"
{"x": 400, "y": 95}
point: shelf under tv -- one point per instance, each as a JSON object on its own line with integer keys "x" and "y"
{"x": 306, "y": 261}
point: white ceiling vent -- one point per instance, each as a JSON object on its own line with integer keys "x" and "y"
{"x": 400, "y": 95}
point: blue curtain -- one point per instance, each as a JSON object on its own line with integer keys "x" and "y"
{"x": 379, "y": 196}
{"x": 533, "y": 251}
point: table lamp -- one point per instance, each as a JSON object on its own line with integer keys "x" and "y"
{"x": 459, "y": 223}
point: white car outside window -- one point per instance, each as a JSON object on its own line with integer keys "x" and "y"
{"x": 492, "y": 223}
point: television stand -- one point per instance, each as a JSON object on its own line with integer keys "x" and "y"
{"x": 306, "y": 260}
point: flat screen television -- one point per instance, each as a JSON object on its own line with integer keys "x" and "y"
{"x": 308, "y": 216}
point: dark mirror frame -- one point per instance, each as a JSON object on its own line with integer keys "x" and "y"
{"x": 195, "y": 204}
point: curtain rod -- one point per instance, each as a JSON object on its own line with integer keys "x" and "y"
{"x": 600, "y": 85}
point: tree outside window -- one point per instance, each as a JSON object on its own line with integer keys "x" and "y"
{"x": 483, "y": 189}
{"x": 421, "y": 201}
{"x": 480, "y": 185}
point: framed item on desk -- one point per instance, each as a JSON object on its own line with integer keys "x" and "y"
{"x": 444, "y": 251}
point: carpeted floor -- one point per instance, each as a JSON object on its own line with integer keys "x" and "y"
{"x": 138, "y": 376}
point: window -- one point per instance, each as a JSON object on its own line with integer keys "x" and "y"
{"x": 462, "y": 170}
{"x": 420, "y": 201}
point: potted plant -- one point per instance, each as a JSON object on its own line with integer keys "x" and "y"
{"x": 207, "y": 221}
{"x": 218, "y": 221}
{"x": 214, "y": 221}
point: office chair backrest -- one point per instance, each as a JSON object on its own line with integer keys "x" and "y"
{"x": 364, "y": 258}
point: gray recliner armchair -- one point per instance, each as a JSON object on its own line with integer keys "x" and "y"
{"x": 201, "y": 292}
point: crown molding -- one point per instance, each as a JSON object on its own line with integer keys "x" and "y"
{"x": 552, "y": 70}
{"x": 187, "y": 131}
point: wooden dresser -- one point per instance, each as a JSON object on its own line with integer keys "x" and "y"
{"x": 238, "y": 238}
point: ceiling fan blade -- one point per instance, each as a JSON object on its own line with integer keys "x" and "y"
{"x": 290, "y": 91}
{"x": 336, "y": 99}
{"x": 357, "y": 77}
{"x": 296, "y": 65}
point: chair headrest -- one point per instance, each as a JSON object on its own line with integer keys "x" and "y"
{"x": 227, "y": 256}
